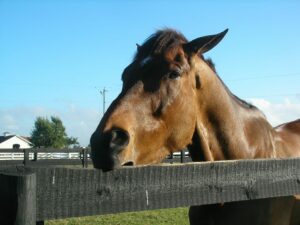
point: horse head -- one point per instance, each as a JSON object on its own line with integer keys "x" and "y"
{"x": 156, "y": 112}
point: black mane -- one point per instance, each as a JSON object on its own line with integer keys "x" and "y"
{"x": 159, "y": 42}
{"x": 240, "y": 101}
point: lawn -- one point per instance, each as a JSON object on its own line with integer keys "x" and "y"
{"x": 178, "y": 216}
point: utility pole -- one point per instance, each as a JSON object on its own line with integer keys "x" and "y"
{"x": 103, "y": 98}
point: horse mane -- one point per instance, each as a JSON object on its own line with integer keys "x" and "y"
{"x": 159, "y": 42}
{"x": 210, "y": 63}
{"x": 241, "y": 102}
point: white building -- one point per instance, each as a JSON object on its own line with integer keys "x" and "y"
{"x": 14, "y": 141}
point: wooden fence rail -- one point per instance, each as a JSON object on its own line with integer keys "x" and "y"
{"x": 54, "y": 193}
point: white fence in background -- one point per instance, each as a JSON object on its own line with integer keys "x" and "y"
{"x": 20, "y": 156}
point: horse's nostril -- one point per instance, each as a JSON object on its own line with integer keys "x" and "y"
{"x": 119, "y": 139}
{"x": 130, "y": 163}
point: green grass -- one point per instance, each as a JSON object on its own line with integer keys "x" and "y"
{"x": 178, "y": 216}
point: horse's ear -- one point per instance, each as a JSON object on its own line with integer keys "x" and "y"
{"x": 138, "y": 47}
{"x": 203, "y": 44}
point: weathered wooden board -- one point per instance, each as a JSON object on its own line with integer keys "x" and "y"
{"x": 18, "y": 198}
{"x": 63, "y": 193}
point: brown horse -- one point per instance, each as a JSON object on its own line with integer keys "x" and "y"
{"x": 172, "y": 98}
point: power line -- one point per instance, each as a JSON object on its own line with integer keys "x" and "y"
{"x": 120, "y": 85}
{"x": 264, "y": 77}
{"x": 275, "y": 95}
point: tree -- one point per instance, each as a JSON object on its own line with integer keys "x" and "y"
{"x": 51, "y": 133}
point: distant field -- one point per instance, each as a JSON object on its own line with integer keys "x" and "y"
{"x": 178, "y": 216}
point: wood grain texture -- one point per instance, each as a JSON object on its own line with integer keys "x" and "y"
{"x": 65, "y": 193}
{"x": 18, "y": 197}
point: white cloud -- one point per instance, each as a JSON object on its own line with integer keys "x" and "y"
{"x": 9, "y": 122}
{"x": 79, "y": 122}
{"x": 278, "y": 113}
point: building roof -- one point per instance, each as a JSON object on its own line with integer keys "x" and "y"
{"x": 5, "y": 138}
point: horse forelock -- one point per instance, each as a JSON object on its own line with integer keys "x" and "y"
{"x": 158, "y": 43}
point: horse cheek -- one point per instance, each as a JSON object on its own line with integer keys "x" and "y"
{"x": 183, "y": 120}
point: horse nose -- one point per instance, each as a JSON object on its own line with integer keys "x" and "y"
{"x": 106, "y": 148}
{"x": 119, "y": 139}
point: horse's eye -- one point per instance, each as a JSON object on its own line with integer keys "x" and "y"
{"x": 174, "y": 74}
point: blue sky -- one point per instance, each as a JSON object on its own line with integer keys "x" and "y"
{"x": 55, "y": 56}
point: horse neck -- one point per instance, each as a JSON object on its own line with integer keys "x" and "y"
{"x": 228, "y": 130}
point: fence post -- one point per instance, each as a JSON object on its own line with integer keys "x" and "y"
{"x": 182, "y": 155}
{"x": 18, "y": 198}
{"x": 26, "y": 157}
{"x": 171, "y": 158}
{"x": 81, "y": 153}
{"x": 35, "y": 154}
{"x": 84, "y": 159}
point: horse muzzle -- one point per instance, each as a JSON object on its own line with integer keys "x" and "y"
{"x": 106, "y": 148}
